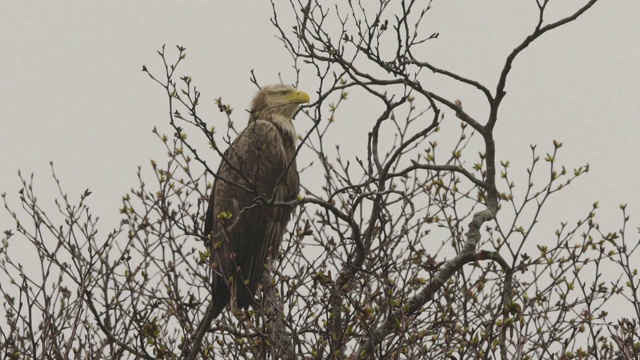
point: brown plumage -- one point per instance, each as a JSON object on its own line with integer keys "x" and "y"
{"x": 259, "y": 164}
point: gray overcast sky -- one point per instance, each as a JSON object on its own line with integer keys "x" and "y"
{"x": 73, "y": 91}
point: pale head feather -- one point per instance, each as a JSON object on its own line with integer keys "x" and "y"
{"x": 273, "y": 103}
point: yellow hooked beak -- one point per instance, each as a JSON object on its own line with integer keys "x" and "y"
{"x": 299, "y": 97}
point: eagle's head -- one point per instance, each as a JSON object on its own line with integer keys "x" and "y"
{"x": 280, "y": 99}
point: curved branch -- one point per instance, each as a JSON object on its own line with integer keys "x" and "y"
{"x": 452, "y": 168}
{"x": 108, "y": 333}
{"x": 454, "y": 76}
{"x": 427, "y": 294}
{"x": 500, "y": 92}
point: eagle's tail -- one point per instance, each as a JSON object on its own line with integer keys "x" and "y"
{"x": 221, "y": 298}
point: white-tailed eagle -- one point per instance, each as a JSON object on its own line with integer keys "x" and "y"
{"x": 243, "y": 229}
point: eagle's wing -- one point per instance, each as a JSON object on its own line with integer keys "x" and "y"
{"x": 240, "y": 243}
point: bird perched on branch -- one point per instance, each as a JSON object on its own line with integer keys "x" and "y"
{"x": 259, "y": 167}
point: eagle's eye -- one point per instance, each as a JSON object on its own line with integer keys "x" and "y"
{"x": 283, "y": 93}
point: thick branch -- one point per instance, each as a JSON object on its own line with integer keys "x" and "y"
{"x": 414, "y": 305}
